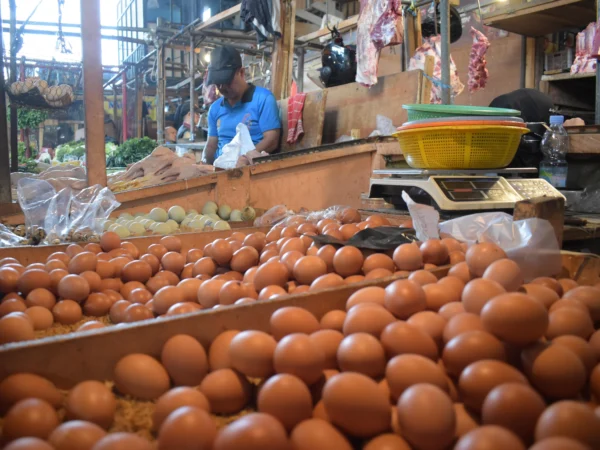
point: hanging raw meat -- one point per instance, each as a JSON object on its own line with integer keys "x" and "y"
{"x": 367, "y": 55}
{"x": 431, "y": 46}
{"x": 379, "y": 25}
{"x": 388, "y": 28}
{"x": 478, "y": 73}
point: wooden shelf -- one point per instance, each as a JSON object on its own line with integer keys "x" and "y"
{"x": 541, "y": 17}
{"x": 567, "y": 76}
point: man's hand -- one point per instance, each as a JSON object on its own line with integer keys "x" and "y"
{"x": 208, "y": 155}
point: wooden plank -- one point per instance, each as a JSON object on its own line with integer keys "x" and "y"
{"x": 344, "y": 25}
{"x": 302, "y": 28}
{"x": 313, "y": 118}
{"x": 29, "y": 255}
{"x": 217, "y": 18}
{"x": 322, "y": 6}
{"x": 427, "y": 85}
{"x": 5, "y": 185}
{"x": 69, "y": 359}
{"x": 93, "y": 92}
{"x": 530, "y": 63}
{"x": 551, "y": 209}
{"x": 283, "y": 56}
{"x": 166, "y": 188}
{"x": 353, "y": 106}
{"x": 585, "y": 143}
{"x": 308, "y": 16}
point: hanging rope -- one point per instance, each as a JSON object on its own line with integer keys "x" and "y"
{"x": 61, "y": 43}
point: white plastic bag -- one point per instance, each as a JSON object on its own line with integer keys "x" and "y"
{"x": 531, "y": 243}
{"x": 239, "y": 145}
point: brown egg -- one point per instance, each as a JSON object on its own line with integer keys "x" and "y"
{"x": 430, "y": 323}
{"x": 569, "y": 303}
{"x": 30, "y": 417}
{"x": 5, "y": 261}
{"x": 110, "y": 241}
{"x": 292, "y": 244}
{"x": 480, "y": 256}
{"x": 137, "y": 271}
{"x": 67, "y": 312}
{"x": 514, "y": 406}
{"x": 469, "y": 347}
{"x": 12, "y": 305}
{"x": 209, "y": 292}
{"x": 434, "y": 252}
{"x": 558, "y": 443}
{"x": 373, "y": 294}
{"x": 113, "y": 284}
{"x": 73, "y": 287}
{"x": 187, "y": 425}
{"x": 256, "y": 240}
{"x": 33, "y": 279}
{"x": 400, "y": 338}
{"x": 426, "y": 416}
{"x": 51, "y": 265}
{"x": 171, "y": 243}
{"x": 478, "y": 292}
{"x": 333, "y": 320}
{"x": 479, "y": 378}
{"x": 218, "y": 353}
{"x": 155, "y": 284}
{"x": 356, "y": 404}
{"x": 16, "y": 327}
{"x": 595, "y": 383}
{"x": 286, "y": 398}
{"x": 408, "y": 257}
{"x": 74, "y": 249}
{"x": 354, "y": 279}
{"x": 166, "y": 297}
{"x": 550, "y": 283}
{"x": 461, "y": 270}
{"x": 83, "y": 262}
{"x": 253, "y": 432}
{"x": 185, "y": 360}
{"x": 541, "y": 293}
{"x": 21, "y": 386}
{"x": 227, "y": 391}
{"x": 461, "y": 323}
{"x": 316, "y": 434}
{"x": 327, "y": 281}
{"x": 9, "y": 278}
{"x": 298, "y": 355}
{"x": 40, "y": 297}
{"x": 117, "y": 311}
{"x": 251, "y": 352}
{"x": 231, "y": 291}
{"x": 554, "y": 370}
{"x": 76, "y": 435}
{"x": 97, "y": 305}
{"x": 41, "y": 318}
{"x": 370, "y": 320}
{"x": 438, "y": 295}
{"x": 489, "y": 437}
{"x": 569, "y": 321}
{"x": 403, "y": 298}
{"x": 376, "y": 274}
{"x": 178, "y": 398}
{"x": 378, "y": 261}
{"x": 221, "y": 252}
{"x": 588, "y": 295}
{"x": 348, "y": 261}
{"x": 569, "y": 419}
{"x": 273, "y": 273}
{"x": 137, "y": 312}
{"x": 29, "y": 443}
{"x": 309, "y": 268}
{"x": 183, "y": 308}
{"x": 140, "y": 295}
{"x": 423, "y": 277}
{"x": 567, "y": 284}
{"x": 92, "y": 401}
{"x": 244, "y": 258}
{"x": 505, "y": 272}
{"x": 290, "y": 259}
{"x": 141, "y": 376}
{"x": 361, "y": 353}
{"x": 157, "y": 250}
{"x": 328, "y": 341}
{"x": 515, "y": 318}
{"x": 403, "y": 371}
{"x": 292, "y": 319}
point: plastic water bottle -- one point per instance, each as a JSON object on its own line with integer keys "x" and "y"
{"x": 555, "y": 146}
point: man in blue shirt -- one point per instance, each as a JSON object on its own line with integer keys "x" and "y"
{"x": 241, "y": 102}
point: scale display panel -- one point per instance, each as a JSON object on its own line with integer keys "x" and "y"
{"x": 482, "y": 189}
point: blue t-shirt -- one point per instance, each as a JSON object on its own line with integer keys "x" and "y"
{"x": 257, "y": 110}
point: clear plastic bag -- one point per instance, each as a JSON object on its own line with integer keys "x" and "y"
{"x": 8, "y": 238}
{"x": 273, "y": 216}
{"x": 531, "y": 243}
{"x": 64, "y": 212}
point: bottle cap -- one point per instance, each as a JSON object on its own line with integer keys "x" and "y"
{"x": 557, "y": 120}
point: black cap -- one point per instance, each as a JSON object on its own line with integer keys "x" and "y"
{"x": 224, "y": 62}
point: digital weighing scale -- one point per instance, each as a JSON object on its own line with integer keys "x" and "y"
{"x": 464, "y": 190}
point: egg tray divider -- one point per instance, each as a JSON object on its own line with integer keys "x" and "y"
{"x": 34, "y": 99}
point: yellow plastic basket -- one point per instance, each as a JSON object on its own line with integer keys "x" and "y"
{"x": 460, "y": 147}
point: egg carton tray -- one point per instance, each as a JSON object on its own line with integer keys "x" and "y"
{"x": 34, "y": 99}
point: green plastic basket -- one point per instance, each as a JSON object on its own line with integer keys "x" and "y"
{"x": 426, "y": 111}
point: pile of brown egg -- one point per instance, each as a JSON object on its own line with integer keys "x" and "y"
{"x": 113, "y": 281}
{"x": 474, "y": 360}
